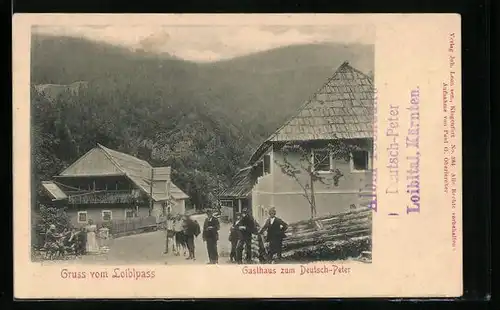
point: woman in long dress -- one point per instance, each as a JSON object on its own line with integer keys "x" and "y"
{"x": 92, "y": 246}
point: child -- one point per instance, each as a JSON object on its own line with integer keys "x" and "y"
{"x": 168, "y": 226}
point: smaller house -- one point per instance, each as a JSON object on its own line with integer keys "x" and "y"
{"x": 238, "y": 195}
{"x": 106, "y": 185}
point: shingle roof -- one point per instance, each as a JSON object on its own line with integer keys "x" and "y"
{"x": 177, "y": 193}
{"x": 341, "y": 109}
{"x": 241, "y": 185}
{"x": 139, "y": 172}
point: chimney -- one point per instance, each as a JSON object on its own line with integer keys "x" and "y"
{"x": 162, "y": 174}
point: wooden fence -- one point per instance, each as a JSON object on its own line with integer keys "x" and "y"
{"x": 133, "y": 225}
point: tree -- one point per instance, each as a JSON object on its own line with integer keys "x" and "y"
{"x": 46, "y": 216}
{"x": 308, "y": 162}
{"x": 203, "y": 149}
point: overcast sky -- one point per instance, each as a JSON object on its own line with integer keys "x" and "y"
{"x": 212, "y": 43}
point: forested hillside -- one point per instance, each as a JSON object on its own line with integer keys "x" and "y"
{"x": 202, "y": 119}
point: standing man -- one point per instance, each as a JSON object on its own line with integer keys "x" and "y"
{"x": 81, "y": 241}
{"x": 275, "y": 228}
{"x": 246, "y": 227}
{"x": 234, "y": 236}
{"x": 210, "y": 235}
{"x": 191, "y": 230}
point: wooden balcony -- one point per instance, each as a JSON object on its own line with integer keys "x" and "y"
{"x": 103, "y": 197}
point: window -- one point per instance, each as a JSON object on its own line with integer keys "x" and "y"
{"x": 106, "y": 215}
{"x": 226, "y": 203}
{"x": 82, "y": 216}
{"x": 259, "y": 169}
{"x": 267, "y": 164}
{"x": 129, "y": 213}
{"x": 321, "y": 160}
{"x": 360, "y": 160}
{"x": 262, "y": 212}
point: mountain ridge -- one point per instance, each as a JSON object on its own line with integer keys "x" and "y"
{"x": 203, "y": 119}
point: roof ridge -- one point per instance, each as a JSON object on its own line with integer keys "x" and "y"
{"x": 340, "y": 76}
{"x": 308, "y": 101}
{"x": 361, "y": 72}
{"x": 107, "y": 149}
{"x": 110, "y": 157}
{"x": 77, "y": 161}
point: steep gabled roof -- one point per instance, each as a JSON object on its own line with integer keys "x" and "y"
{"x": 96, "y": 162}
{"x": 241, "y": 184}
{"x": 341, "y": 109}
{"x": 138, "y": 171}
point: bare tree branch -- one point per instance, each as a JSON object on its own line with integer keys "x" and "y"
{"x": 337, "y": 149}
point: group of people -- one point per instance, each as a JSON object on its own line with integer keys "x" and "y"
{"x": 78, "y": 241}
{"x": 182, "y": 231}
{"x": 245, "y": 226}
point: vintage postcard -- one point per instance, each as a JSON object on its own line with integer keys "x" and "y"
{"x": 237, "y": 156}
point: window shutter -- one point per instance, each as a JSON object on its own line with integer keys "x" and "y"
{"x": 267, "y": 164}
{"x": 360, "y": 160}
{"x": 321, "y": 160}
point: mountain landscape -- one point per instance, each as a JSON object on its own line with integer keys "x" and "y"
{"x": 203, "y": 119}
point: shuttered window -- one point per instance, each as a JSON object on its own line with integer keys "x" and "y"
{"x": 321, "y": 160}
{"x": 259, "y": 170}
{"x": 129, "y": 213}
{"x": 360, "y": 160}
{"x": 107, "y": 215}
{"x": 82, "y": 216}
{"x": 267, "y": 164}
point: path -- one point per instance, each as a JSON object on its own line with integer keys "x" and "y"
{"x": 148, "y": 248}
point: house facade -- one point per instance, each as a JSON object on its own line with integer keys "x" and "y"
{"x": 322, "y": 156}
{"x": 106, "y": 185}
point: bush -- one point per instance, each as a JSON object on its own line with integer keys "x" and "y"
{"x": 46, "y": 216}
{"x": 108, "y": 225}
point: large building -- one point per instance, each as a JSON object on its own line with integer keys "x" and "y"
{"x": 106, "y": 185}
{"x": 297, "y": 166}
